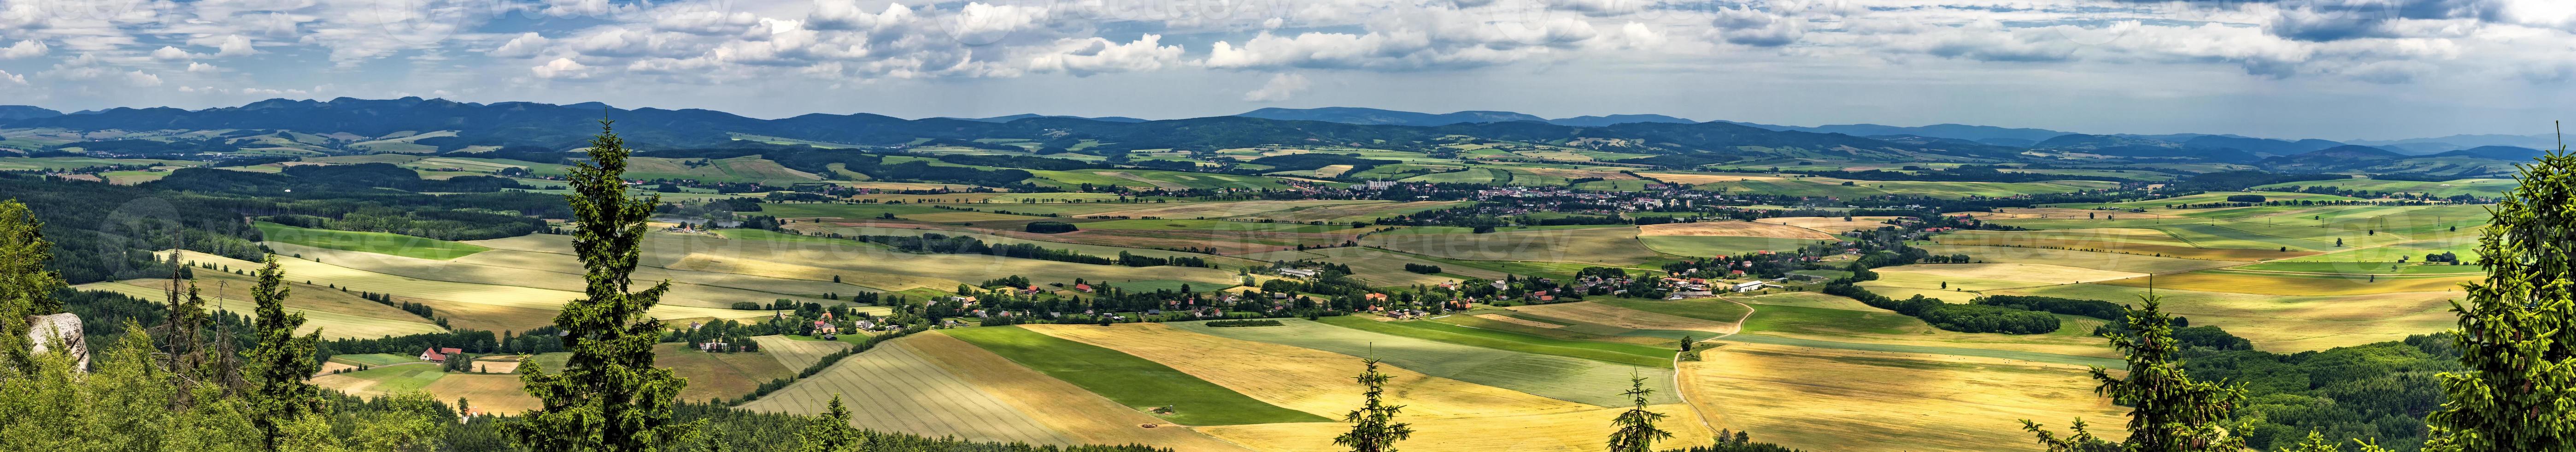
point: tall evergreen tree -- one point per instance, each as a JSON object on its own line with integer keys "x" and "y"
{"x": 280, "y": 361}
{"x": 1374, "y": 428}
{"x": 608, "y": 397}
{"x": 832, "y": 433}
{"x": 26, "y": 287}
{"x": 1637, "y": 432}
{"x": 2169, "y": 412}
{"x": 2517, "y": 335}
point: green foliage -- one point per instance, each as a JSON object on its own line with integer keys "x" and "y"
{"x": 2169, "y": 411}
{"x": 280, "y": 361}
{"x": 1637, "y": 432}
{"x": 831, "y": 433}
{"x": 608, "y": 397}
{"x": 26, "y": 287}
{"x": 1373, "y": 426}
{"x": 2517, "y": 335}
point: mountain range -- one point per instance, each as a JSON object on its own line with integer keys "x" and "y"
{"x": 1672, "y": 141}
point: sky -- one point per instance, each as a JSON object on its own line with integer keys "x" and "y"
{"x": 2333, "y": 69}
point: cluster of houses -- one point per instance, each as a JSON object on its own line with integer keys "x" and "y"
{"x": 1687, "y": 288}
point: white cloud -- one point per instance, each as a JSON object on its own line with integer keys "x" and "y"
{"x": 140, "y": 79}
{"x": 226, "y": 45}
{"x": 25, "y": 48}
{"x": 13, "y": 78}
{"x": 171, "y": 53}
{"x": 1088, "y": 56}
{"x": 526, "y": 45}
{"x": 562, "y": 68}
{"x": 197, "y": 67}
{"x": 1280, "y": 87}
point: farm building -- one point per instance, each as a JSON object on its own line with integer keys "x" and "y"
{"x": 1298, "y": 272}
{"x": 439, "y": 355}
{"x": 822, "y": 327}
{"x": 1749, "y": 286}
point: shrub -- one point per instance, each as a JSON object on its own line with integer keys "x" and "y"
{"x": 1050, "y": 227}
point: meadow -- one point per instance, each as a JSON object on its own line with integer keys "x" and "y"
{"x": 369, "y": 242}
{"x": 1614, "y": 353}
{"x": 1130, "y": 380}
{"x": 1570, "y": 379}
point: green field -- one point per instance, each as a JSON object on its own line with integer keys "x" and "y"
{"x": 368, "y": 242}
{"x": 1614, "y": 353}
{"x": 2476, "y": 187}
{"x": 1703, "y": 309}
{"x": 1706, "y": 246}
{"x": 1551, "y": 376}
{"x": 1127, "y": 379}
{"x": 376, "y": 359}
{"x": 849, "y": 211}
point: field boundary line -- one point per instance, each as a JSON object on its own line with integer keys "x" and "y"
{"x": 1683, "y": 394}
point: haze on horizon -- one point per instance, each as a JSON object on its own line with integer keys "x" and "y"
{"x": 2332, "y": 69}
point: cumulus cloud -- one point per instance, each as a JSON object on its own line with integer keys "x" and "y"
{"x": 171, "y": 53}
{"x": 562, "y": 68}
{"x": 197, "y": 67}
{"x": 1748, "y": 26}
{"x": 141, "y": 79}
{"x": 1280, "y": 87}
{"x": 25, "y": 48}
{"x": 1088, "y": 56}
{"x": 13, "y": 78}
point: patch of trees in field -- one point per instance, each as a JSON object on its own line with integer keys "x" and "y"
{"x": 936, "y": 243}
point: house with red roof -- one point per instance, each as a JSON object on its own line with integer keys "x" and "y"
{"x": 438, "y": 355}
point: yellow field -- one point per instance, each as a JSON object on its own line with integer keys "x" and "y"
{"x": 1219, "y": 209}
{"x": 447, "y": 292}
{"x": 1844, "y": 400}
{"x": 1087, "y": 418}
{"x": 1616, "y": 246}
{"x": 488, "y": 394}
{"x": 2058, "y": 213}
{"x": 334, "y": 323}
{"x": 882, "y": 268}
{"x": 2286, "y": 324}
{"x": 1696, "y": 179}
{"x": 1964, "y": 279}
{"x": 1380, "y": 268}
{"x": 1734, "y": 229}
{"x": 1623, "y": 317}
{"x": 1302, "y": 379}
{"x": 2286, "y": 284}
{"x": 1569, "y": 431}
{"x": 893, "y": 388}
{"x": 718, "y": 375}
{"x": 2117, "y": 262}
{"x": 1830, "y": 225}
{"x": 1344, "y": 212}
{"x": 797, "y": 355}
{"x": 2117, "y": 246}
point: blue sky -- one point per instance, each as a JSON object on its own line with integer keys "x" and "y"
{"x": 2335, "y": 69}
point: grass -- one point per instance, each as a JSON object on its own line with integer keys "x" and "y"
{"x": 1551, "y": 376}
{"x": 722, "y": 376}
{"x": 1703, "y": 309}
{"x": 1614, "y": 353}
{"x": 1613, "y": 246}
{"x": 796, "y": 355}
{"x": 1586, "y": 313}
{"x": 2301, "y": 284}
{"x": 1127, "y": 379}
{"x": 848, "y": 211}
{"x": 376, "y": 359}
{"x": 2286, "y": 323}
{"x": 2080, "y": 259}
{"x": 369, "y": 242}
{"x": 1707, "y": 246}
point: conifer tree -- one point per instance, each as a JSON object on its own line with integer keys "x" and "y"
{"x": 2169, "y": 412}
{"x": 2517, "y": 336}
{"x": 26, "y": 287}
{"x": 1374, "y": 428}
{"x": 1637, "y": 432}
{"x": 280, "y": 361}
{"x": 832, "y": 433}
{"x": 608, "y": 397}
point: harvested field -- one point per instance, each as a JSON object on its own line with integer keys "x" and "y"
{"x": 487, "y": 394}
{"x": 2059, "y": 213}
{"x": 892, "y": 387}
{"x": 1703, "y": 178}
{"x": 1615, "y": 246}
{"x": 2116, "y": 262}
{"x": 2287, "y": 323}
{"x": 1704, "y": 246}
{"x": 1828, "y": 225}
{"x": 2294, "y": 284}
{"x": 1380, "y": 268}
{"x": 333, "y": 322}
{"x": 1570, "y": 431}
{"x": 1518, "y": 321}
{"x": 1991, "y": 276}
{"x": 1603, "y": 351}
{"x": 1219, "y": 209}
{"x": 796, "y": 355}
{"x": 1733, "y": 229}
{"x": 1308, "y": 380}
{"x": 447, "y": 292}
{"x": 1557, "y": 377}
{"x": 1825, "y": 399}
{"x": 1081, "y": 415}
{"x": 1132, "y": 381}
{"x": 1597, "y": 313}
{"x": 1345, "y": 213}
{"x": 2123, "y": 247}
{"x": 718, "y": 375}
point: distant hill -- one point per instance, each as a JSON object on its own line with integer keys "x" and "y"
{"x": 2263, "y": 146}
{"x": 2536, "y": 141}
{"x": 1009, "y": 118}
{"x": 1373, "y": 116}
{"x": 1599, "y": 121}
{"x": 2514, "y": 153}
{"x": 1952, "y": 131}
{"x": 9, "y": 112}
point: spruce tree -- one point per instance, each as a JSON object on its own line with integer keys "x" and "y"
{"x": 2169, "y": 412}
{"x": 2517, "y": 336}
{"x": 608, "y": 397}
{"x": 26, "y": 287}
{"x": 280, "y": 361}
{"x": 1374, "y": 428}
{"x": 1637, "y": 432}
{"x": 832, "y": 433}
